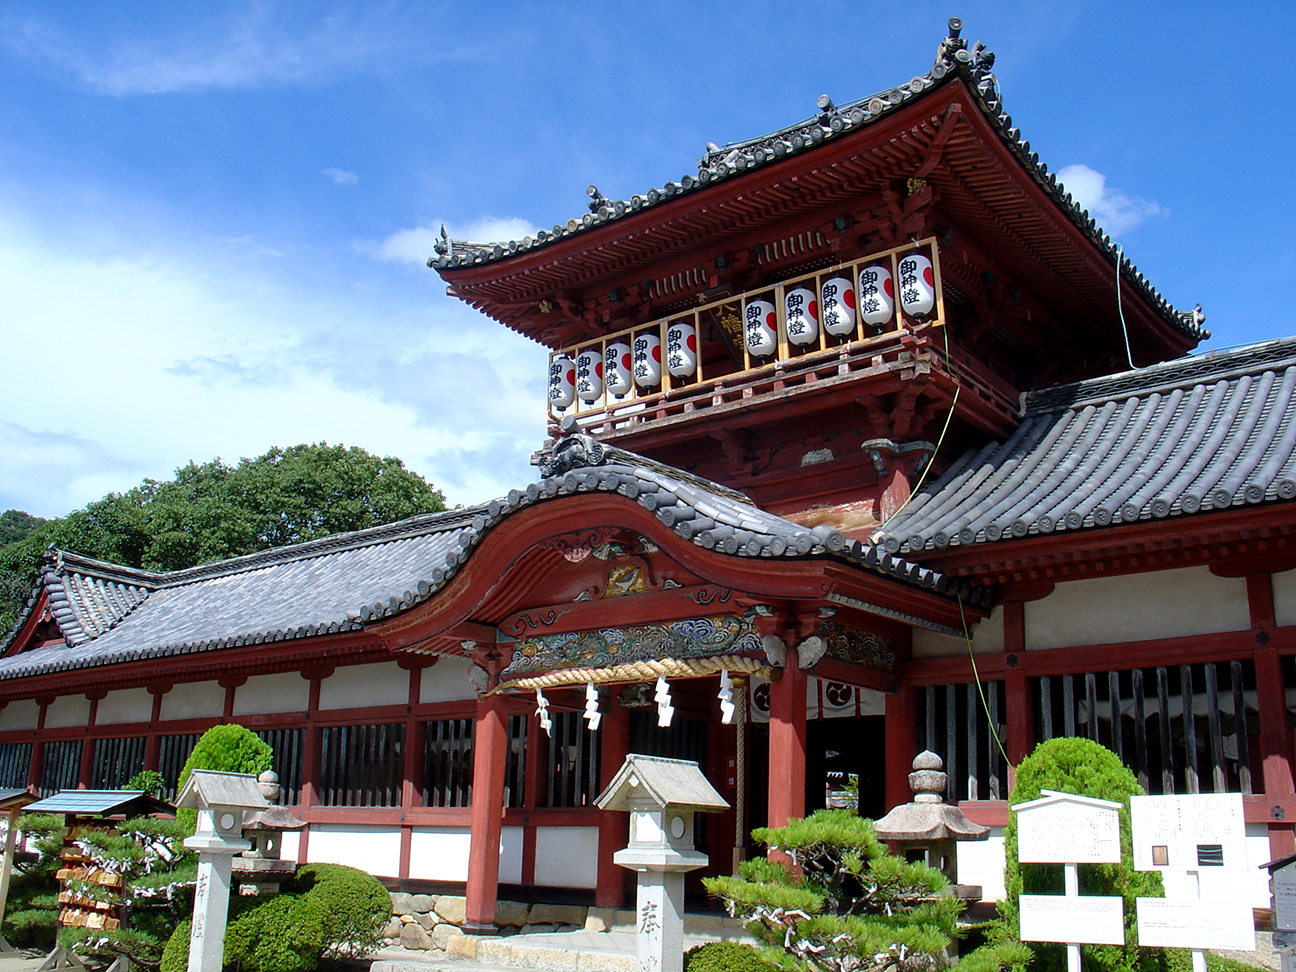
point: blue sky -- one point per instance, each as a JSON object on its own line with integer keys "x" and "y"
{"x": 213, "y": 217}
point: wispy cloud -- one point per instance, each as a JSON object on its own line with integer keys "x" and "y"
{"x": 1115, "y": 212}
{"x": 415, "y": 245}
{"x": 342, "y": 177}
{"x": 254, "y": 44}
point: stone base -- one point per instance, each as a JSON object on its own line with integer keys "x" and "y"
{"x": 480, "y": 928}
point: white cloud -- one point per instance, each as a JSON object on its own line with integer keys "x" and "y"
{"x": 342, "y": 177}
{"x": 416, "y": 245}
{"x": 1115, "y": 212}
{"x": 161, "y": 359}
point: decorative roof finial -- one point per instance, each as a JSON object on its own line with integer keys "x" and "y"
{"x": 597, "y": 198}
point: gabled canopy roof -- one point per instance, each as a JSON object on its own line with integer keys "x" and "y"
{"x": 1211, "y": 432}
{"x": 994, "y": 183}
{"x": 101, "y": 803}
{"x": 340, "y": 584}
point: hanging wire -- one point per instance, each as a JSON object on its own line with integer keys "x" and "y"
{"x": 1120, "y": 308}
{"x": 985, "y": 706}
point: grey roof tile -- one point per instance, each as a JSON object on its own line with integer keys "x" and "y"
{"x": 111, "y": 614}
{"x": 1208, "y": 432}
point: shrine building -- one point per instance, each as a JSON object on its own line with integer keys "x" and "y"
{"x": 865, "y": 440}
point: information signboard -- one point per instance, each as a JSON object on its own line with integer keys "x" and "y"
{"x": 1283, "y": 883}
{"x": 1191, "y": 832}
{"x": 1063, "y": 828}
{"x": 1089, "y": 919}
{"x": 1221, "y": 923}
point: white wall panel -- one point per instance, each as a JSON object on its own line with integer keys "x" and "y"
{"x": 440, "y": 854}
{"x": 987, "y": 636}
{"x": 23, "y": 714}
{"x": 360, "y": 686}
{"x": 281, "y": 692}
{"x": 130, "y": 705}
{"x": 446, "y": 681}
{"x": 194, "y": 700}
{"x": 1137, "y": 607}
{"x": 982, "y": 862}
{"x": 372, "y": 849}
{"x": 1284, "y": 593}
{"x": 68, "y": 711}
{"x": 566, "y": 857}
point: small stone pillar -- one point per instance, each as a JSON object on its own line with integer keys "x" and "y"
{"x": 930, "y": 825}
{"x": 661, "y": 796}
{"x": 220, "y": 799}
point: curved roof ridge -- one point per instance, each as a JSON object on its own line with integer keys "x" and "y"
{"x": 1165, "y": 376}
{"x": 954, "y": 59}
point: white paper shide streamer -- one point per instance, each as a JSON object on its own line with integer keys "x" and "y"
{"x": 662, "y": 696}
{"x": 725, "y": 695}
{"x": 542, "y": 713}
{"x": 592, "y": 714}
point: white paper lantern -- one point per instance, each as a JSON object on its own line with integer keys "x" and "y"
{"x": 589, "y": 375}
{"x": 802, "y": 316}
{"x": 917, "y": 285}
{"x": 838, "y": 306}
{"x": 761, "y": 324}
{"x": 562, "y": 381}
{"x": 681, "y": 349}
{"x": 647, "y": 359}
{"x": 616, "y": 368}
{"x": 876, "y": 296}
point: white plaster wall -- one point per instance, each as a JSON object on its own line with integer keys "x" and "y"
{"x": 289, "y": 844}
{"x": 982, "y": 862}
{"x": 23, "y": 714}
{"x": 1137, "y": 607}
{"x": 360, "y": 686}
{"x": 372, "y": 849}
{"x": 441, "y": 854}
{"x": 194, "y": 700}
{"x": 1284, "y": 593}
{"x": 66, "y": 711}
{"x": 281, "y": 692}
{"x": 129, "y": 705}
{"x": 447, "y": 681}
{"x": 987, "y": 636}
{"x": 566, "y": 857}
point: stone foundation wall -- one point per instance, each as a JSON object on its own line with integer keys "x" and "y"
{"x": 434, "y": 922}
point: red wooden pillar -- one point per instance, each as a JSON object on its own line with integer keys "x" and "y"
{"x": 787, "y": 744}
{"x": 613, "y": 827}
{"x": 38, "y": 746}
{"x": 1271, "y": 701}
{"x": 901, "y": 742}
{"x": 310, "y": 755}
{"x": 490, "y": 752}
{"x": 152, "y": 749}
{"x": 411, "y": 777}
{"x": 85, "y": 773}
{"x": 1020, "y": 709}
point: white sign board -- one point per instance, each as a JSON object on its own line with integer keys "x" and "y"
{"x": 1062, "y": 829}
{"x": 1283, "y": 883}
{"x": 1189, "y": 833}
{"x": 1089, "y": 919}
{"x": 1223, "y": 923}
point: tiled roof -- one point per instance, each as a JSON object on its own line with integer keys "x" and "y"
{"x": 954, "y": 59}
{"x": 110, "y": 614}
{"x": 1209, "y": 432}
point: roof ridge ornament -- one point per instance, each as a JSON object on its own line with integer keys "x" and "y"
{"x": 574, "y": 449}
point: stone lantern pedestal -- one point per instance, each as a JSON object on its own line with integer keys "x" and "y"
{"x": 661, "y": 796}
{"x": 260, "y": 870}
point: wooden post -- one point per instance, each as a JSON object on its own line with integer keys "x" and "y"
{"x": 6, "y": 869}
{"x": 1020, "y": 715}
{"x": 613, "y": 827}
{"x": 310, "y": 756}
{"x": 85, "y": 772}
{"x": 154, "y": 745}
{"x": 787, "y": 744}
{"x": 490, "y": 752}
{"x": 901, "y": 743}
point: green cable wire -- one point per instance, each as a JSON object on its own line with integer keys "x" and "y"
{"x": 985, "y": 706}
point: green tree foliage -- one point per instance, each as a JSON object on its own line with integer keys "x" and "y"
{"x": 1083, "y": 767}
{"x": 854, "y": 906}
{"x": 354, "y": 904}
{"x": 229, "y": 748}
{"x": 727, "y": 956}
{"x": 213, "y": 510}
{"x": 15, "y": 524}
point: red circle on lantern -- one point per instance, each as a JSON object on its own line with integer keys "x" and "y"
{"x": 571, "y": 376}
{"x": 692, "y": 342}
{"x": 814, "y": 309}
{"x": 887, "y": 286}
{"x": 927, "y": 275}
{"x": 848, "y": 298}
{"x": 769, "y": 320}
{"x": 598, "y": 369}
{"x": 625, "y": 361}
{"x": 657, "y": 352}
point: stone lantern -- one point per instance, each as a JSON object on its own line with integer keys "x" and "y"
{"x": 928, "y": 828}
{"x": 220, "y": 799}
{"x": 261, "y": 870}
{"x": 661, "y": 796}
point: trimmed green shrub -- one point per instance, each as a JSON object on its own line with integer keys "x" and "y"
{"x": 1083, "y": 767}
{"x": 229, "y": 748}
{"x": 354, "y": 904}
{"x": 175, "y": 957}
{"x": 727, "y": 957}
{"x": 281, "y": 933}
{"x": 150, "y": 781}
